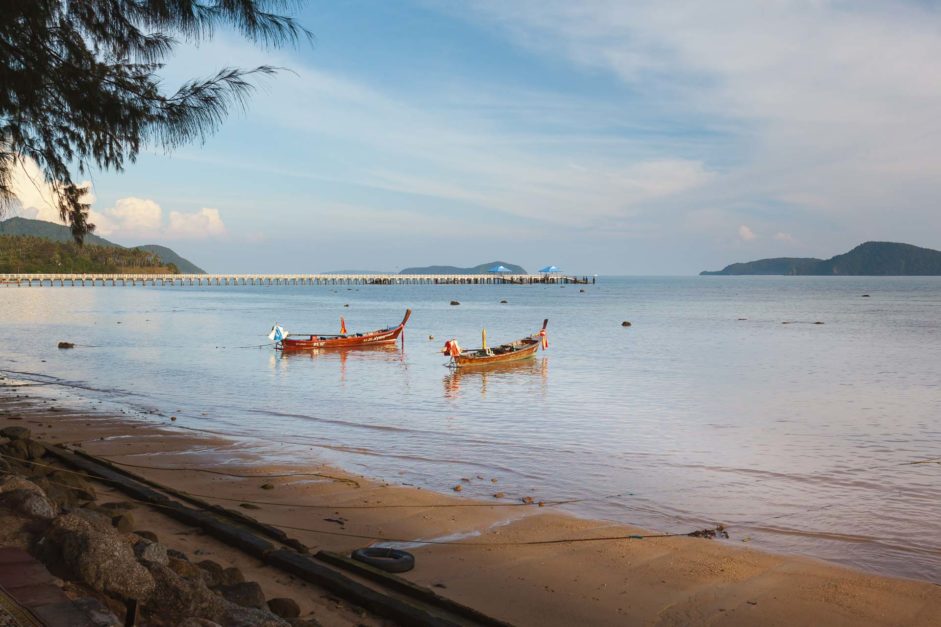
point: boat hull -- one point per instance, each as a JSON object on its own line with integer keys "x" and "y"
{"x": 373, "y": 338}
{"x": 469, "y": 360}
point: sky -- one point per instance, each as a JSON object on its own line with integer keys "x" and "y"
{"x": 604, "y": 137}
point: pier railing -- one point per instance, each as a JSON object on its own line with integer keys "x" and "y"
{"x": 93, "y": 279}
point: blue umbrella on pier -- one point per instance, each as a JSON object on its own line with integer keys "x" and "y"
{"x": 500, "y": 268}
{"x": 549, "y": 269}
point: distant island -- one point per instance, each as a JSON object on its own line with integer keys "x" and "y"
{"x": 483, "y": 268}
{"x": 36, "y": 246}
{"x": 869, "y": 259}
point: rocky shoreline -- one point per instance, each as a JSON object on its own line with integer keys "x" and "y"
{"x": 95, "y": 551}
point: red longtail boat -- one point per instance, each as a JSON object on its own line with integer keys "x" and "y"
{"x": 307, "y": 341}
{"x": 524, "y": 348}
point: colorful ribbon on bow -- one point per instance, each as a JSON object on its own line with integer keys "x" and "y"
{"x": 545, "y": 339}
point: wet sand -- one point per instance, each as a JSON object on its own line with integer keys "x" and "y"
{"x": 656, "y": 581}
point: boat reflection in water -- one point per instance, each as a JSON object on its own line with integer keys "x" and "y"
{"x": 460, "y": 381}
{"x": 390, "y": 353}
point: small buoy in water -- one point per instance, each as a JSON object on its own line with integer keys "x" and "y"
{"x": 173, "y": 418}
{"x": 625, "y": 324}
{"x": 454, "y": 302}
{"x": 502, "y": 302}
{"x": 743, "y": 318}
{"x": 865, "y": 296}
{"x": 347, "y": 305}
{"x": 66, "y": 345}
{"x": 818, "y": 322}
{"x": 431, "y": 337}
{"x": 581, "y": 291}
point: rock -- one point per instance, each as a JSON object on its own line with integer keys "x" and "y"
{"x": 97, "y": 519}
{"x": 35, "y": 450}
{"x": 527, "y": 500}
{"x": 431, "y": 337}
{"x": 177, "y": 555}
{"x": 100, "y": 557}
{"x": 184, "y": 568}
{"x": 18, "y": 449}
{"x": 83, "y": 490}
{"x": 503, "y": 302}
{"x": 124, "y": 522}
{"x": 818, "y": 322}
{"x": 15, "y": 433}
{"x": 66, "y": 345}
{"x": 284, "y": 607}
{"x": 309, "y": 621}
{"x": 625, "y": 324}
{"x": 246, "y": 594}
{"x": 199, "y": 622}
{"x": 232, "y": 576}
{"x": 454, "y": 302}
{"x": 151, "y": 552}
{"x": 29, "y": 503}
{"x": 865, "y": 296}
{"x": 176, "y": 599}
{"x": 212, "y": 573}
{"x": 248, "y": 506}
{"x": 267, "y": 486}
{"x": 458, "y": 488}
{"x": 10, "y": 483}
{"x": 499, "y": 495}
{"x": 147, "y": 535}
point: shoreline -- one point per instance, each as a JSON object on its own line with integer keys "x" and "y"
{"x": 676, "y": 580}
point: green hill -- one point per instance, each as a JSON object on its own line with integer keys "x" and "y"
{"x": 869, "y": 259}
{"x": 483, "y": 268}
{"x": 26, "y": 253}
{"x": 61, "y": 233}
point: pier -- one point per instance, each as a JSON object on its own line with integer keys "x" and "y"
{"x": 170, "y": 280}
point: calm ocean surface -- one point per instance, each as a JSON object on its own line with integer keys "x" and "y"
{"x": 799, "y": 437}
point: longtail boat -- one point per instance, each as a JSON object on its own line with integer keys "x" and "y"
{"x": 524, "y": 348}
{"x": 307, "y": 341}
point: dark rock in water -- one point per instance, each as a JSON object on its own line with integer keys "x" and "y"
{"x": 100, "y": 557}
{"x": 625, "y": 324}
{"x": 818, "y": 322}
{"x": 454, "y": 302}
{"x": 581, "y": 291}
{"x": 246, "y": 594}
{"x": 865, "y": 296}
{"x": 124, "y": 522}
{"x": 285, "y": 608}
{"x": 248, "y": 506}
{"x": 267, "y": 486}
{"x": 15, "y": 433}
{"x": 66, "y": 345}
{"x": 503, "y": 302}
{"x": 177, "y": 555}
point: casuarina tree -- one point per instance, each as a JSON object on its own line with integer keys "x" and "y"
{"x": 80, "y": 85}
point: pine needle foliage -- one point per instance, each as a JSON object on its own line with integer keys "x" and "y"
{"x": 79, "y": 83}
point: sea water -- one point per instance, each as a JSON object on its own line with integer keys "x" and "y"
{"x": 799, "y": 437}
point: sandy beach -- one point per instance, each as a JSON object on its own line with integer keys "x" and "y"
{"x": 500, "y": 557}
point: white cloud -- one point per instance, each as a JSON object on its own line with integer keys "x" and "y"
{"x": 746, "y": 233}
{"x": 204, "y": 223}
{"x": 783, "y": 237}
{"x": 143, "y": 218}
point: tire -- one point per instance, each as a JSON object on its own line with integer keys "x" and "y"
{"x": 389, "y": 560}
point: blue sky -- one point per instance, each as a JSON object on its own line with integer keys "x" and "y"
{"x": 602, "y": 137}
